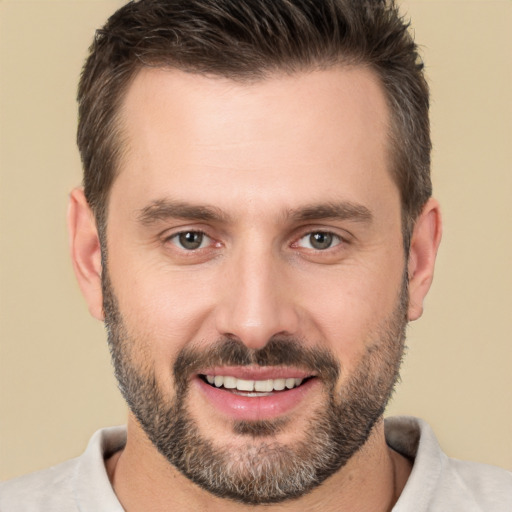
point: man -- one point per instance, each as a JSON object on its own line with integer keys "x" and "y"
{"x": 256, "y": 228}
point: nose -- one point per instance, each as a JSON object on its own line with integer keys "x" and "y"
{"x": 257, "y": 301}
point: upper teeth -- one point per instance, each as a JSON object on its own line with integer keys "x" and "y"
{"x": 253, "y": 385}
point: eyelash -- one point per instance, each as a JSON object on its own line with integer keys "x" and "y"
{"x": 174, "y": 238}
{"x": 334, "y": 240}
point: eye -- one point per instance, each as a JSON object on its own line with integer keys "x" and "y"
{"x": 190, "y": 240}
{"x": 319, "y": 240}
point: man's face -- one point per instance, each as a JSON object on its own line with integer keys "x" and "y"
{"x": 254, "y": 283}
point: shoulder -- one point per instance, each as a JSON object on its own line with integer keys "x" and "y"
{"x": 437, "y": 482}
{"x": 49, "y": 489}
{"x": 487, "y": 486}
{"x": 80, "y": 484}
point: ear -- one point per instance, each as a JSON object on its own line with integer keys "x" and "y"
{"x": 85, "y": 250}
{"x": 425, "y": 240}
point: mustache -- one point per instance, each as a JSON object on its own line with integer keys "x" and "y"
{"x": 279, "y": 351}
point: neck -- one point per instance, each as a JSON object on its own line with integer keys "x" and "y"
{"x": 372, "y": 480}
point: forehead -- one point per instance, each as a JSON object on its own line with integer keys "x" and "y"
{"x": 287, "y": 138}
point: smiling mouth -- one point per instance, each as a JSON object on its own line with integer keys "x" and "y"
{"x": 253, "y": 388}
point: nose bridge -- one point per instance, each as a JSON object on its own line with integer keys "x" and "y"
{"x": 255, "y": 304}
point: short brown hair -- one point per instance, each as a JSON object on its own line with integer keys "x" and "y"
{"x": 248, "y": 40}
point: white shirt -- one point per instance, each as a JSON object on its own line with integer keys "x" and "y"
{"x": 436, "y": 484}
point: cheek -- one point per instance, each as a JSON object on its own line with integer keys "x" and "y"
{"x": 162, "y": 310}
{"x": 350, "y": 308}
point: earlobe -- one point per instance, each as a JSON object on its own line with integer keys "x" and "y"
{"x": 425, "y": 240}
{"x": 85, "y": 251}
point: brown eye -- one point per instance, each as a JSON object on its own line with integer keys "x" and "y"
{"x": 190, "y": 240}
{"x": 319, "y": 240}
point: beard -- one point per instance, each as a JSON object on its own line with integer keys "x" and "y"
{"x": 262, "y": 470}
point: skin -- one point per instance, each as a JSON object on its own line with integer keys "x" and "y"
{"x": 255, "y": 153}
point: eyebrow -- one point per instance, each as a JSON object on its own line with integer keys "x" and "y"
{"x": 344, "y": 210}
{"x": 162, "y": 209}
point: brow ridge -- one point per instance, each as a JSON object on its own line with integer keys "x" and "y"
{"x": 162, "y": 209}
{"x": 344, "y": 210}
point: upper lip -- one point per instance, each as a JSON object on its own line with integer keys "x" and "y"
{"x": 258, "y": 372}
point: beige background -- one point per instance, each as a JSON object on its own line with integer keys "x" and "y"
{"x": 56, "y": 386}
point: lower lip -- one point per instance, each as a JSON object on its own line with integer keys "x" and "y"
{"x": 260, "y": 408}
